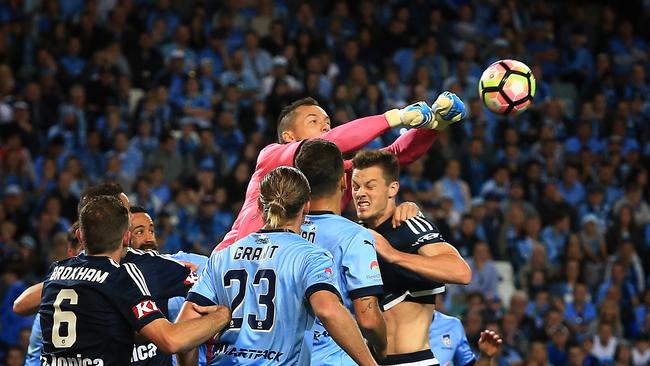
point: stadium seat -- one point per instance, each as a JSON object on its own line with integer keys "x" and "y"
{"x": 506, "y": 281}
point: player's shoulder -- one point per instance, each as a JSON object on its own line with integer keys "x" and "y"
{"x": 129, "y": 275}
{"x": 148, "y": 257}
{"x": 420, "y": 229}
{"x": 446, "y": 322}
{"x": 197, "y": 259}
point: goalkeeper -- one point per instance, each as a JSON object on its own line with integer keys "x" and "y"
{"x": 304, "y": 119}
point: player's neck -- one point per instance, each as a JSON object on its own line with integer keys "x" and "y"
{"x": 378, "y": 220}
{"x": 115, "y": 255}
{"x": 293, "y": 225}
{"x": 332, "y": 203}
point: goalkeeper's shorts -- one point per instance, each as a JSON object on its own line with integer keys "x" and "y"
{"x": 420, "y": 358}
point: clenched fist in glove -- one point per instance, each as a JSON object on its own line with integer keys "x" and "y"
{"x": 447, "y": 109}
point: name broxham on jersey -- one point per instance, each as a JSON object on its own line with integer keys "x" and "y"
{"x": 266, "y": 280}
{"x": 90, "y": 308}
{"x": 353, "y": 248}
{"x": 401, "y": 284}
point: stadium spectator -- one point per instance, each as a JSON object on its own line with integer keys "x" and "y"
{"x": 95, "y": 91}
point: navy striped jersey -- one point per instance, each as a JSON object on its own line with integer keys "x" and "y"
{"x": 266, "y": 279}
{"x": 167, "y": 278}
{"x": 353, "y": 249}
{"x": 90, "y": 308}
{"x": 401, "y": 284}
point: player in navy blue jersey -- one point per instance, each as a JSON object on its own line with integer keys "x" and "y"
{"x": 92, "y": 305}
{"x": 33, "y": 356}
{"x": 275, "y": 281}
{"x": 415, "y": 261}
{"x": 167, "y": 278}
{"x": 351, "y": 245}
{"x": 143, "y": 238}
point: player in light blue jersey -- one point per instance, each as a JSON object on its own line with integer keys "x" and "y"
{"x": 352, "y": 246}
{"x": 275, "y": 282}
{"x": 174, "y": 305}
{"x": 449, "y": 343}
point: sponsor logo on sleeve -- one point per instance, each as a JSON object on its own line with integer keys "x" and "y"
{"x": 144, "y": 308}
{"x": 446, "y": 340}
{"x": 427, "y": 237}
{"x": 329, "y": 273}
{"x": 374, "y": 266}
{"x": 191, "y": 279}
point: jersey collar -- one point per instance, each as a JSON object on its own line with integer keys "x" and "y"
{"x": 385, "y": 226}
{"x": 275, "y": 231}
{"x": 325, "y": 212}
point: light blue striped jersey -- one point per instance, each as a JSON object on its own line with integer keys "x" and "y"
{"x": 448, "y": 341}
{"x": 266, "y": 280}
{"x": 353, "y": 248}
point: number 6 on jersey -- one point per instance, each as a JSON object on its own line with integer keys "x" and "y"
{"x": 62, "y": 316}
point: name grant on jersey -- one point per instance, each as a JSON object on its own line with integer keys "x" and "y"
{"x": 248, "y": 353}
{"x": 255, "y": 253}
{"x": 78, "y": 274}
{"x": 70, "y": 361}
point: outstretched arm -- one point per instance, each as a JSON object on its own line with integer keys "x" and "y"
{"x": 356, "y": 134}
{"x": 412, "y": 145}
{"x": 29, "y": 301}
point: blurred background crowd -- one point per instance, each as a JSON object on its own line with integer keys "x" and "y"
{"x": 175, "y": 99}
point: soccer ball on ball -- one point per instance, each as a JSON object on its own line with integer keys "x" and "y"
{"x": 507, "y": 87}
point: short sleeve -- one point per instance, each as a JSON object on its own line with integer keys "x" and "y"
{"x": 463, "y": 355}
{"x": 133, "y": 299}
{"x": 174, "y": 279}
{"x": 417, "y": 232}
{"x": 320, "y": 274}
{"x": 362, "y": 273}
{"x": 204, "y": 291}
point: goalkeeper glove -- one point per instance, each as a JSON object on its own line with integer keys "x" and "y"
{"x": 448, "y": 109}
{"x": 415, "y": 115}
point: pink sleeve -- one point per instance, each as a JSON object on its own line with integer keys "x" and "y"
{"x": 275, "y": 155}
{"x": 412, "y": 145}
{"x": 358, "y": 133}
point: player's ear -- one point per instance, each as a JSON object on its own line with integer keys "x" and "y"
{"x": 393, "y": 188}
{"x": 126, "y": 239}
{"x": 305, "y": 208}
{"x": 288, "y": 136}
{"x": 344, "y": 182}
{"x": 77, "y": 233}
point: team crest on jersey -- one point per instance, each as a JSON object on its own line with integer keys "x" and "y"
{"x": 329, "y": 273}
{"x": 144, "y": 308}
{"x": 192, "y": 278}
{"x": 446, "y": 340}
{"x": 374, "y": 266}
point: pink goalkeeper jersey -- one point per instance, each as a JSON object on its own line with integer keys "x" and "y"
{"x": 348, "y": 137}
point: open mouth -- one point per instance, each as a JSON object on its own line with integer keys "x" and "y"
{"x": 363, "y": 205}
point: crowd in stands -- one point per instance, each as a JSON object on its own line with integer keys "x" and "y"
{"x": 175, "y": 99}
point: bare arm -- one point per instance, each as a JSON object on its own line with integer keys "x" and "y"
{"x": 29, "y": 301}
{"x": 439, "y": 262}
{"x": 341, "y": 326}
{"x": 185, "y": 335}
{"x": 371, "y": 322}
{"x": 190, "y": 356}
